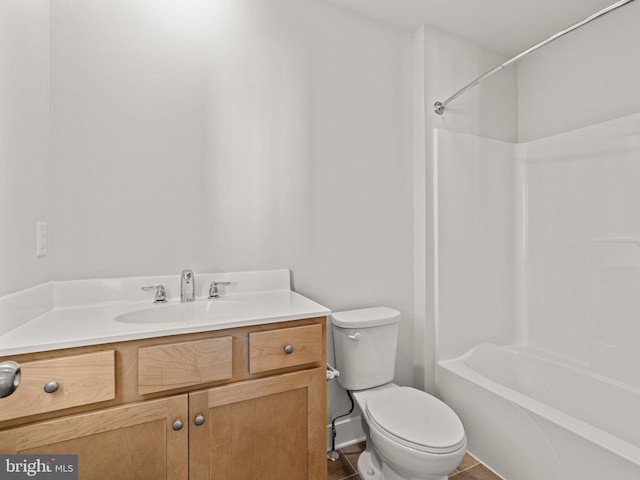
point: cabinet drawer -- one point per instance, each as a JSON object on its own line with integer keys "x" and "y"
{"x": 176, "y": 365}
{"x": 80, "y": 379}
{"x": 286, "y": 347}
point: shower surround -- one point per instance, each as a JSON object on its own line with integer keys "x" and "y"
{"x": 542, "y": 241}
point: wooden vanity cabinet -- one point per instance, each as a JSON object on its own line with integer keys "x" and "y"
{"x": 244, "y": 403}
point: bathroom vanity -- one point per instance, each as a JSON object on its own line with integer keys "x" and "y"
{"x": 223, "y": 398}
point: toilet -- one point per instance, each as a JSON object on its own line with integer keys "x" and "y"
{"x": 410, "y": 434}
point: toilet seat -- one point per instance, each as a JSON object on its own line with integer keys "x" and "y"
{"x": 416, "y": 419}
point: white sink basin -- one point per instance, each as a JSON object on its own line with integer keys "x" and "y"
{"x": 192, "y": 312}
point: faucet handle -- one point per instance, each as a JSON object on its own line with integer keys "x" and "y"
{"x": 161, "y": 294}
{"x": 213, "y": 290}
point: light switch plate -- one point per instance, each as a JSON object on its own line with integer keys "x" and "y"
{"x": 41, "y": 239}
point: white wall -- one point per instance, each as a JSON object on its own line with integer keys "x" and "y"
{"x": 309, "y": 150}
{"x": 127, "y": 122}
{"x": 24, "y": 141}
{"x": 448, "y": 63}
{"x": 586, "y": 77}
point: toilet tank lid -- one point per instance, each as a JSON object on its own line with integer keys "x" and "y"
{"x": 365, "y": 317}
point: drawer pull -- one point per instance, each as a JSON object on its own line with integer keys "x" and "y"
{"x": 288, "y": 349}
{"x": 177, "y": 425}
{"x": 51, "y": 387}
{"x": 199, "y": 420}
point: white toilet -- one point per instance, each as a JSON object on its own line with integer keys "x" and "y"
{"x": 411, "y": 435}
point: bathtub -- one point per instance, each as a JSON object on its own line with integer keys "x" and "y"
{"x": 531, "y": 416}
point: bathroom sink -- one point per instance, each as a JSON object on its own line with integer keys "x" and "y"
{"x": 183, "y": 312}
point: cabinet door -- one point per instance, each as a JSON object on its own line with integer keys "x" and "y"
{"x": 266, "y": 429}
{"x": 131, "y": 442}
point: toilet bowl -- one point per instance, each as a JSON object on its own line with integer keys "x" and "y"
{"x": 415, "y": 435}
{"x": 410, "y": 434}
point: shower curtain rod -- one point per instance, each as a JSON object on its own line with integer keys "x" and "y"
{"x": 439, "y": 107}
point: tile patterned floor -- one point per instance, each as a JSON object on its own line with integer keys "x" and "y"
{"x": 345, "y": 467}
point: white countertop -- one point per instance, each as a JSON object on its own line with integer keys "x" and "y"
{"x": 73, "y": 326}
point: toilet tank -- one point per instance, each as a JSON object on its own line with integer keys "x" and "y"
{"x": 365, "y": 346}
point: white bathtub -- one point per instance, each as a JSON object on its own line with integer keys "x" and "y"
{"x": 529, "y": 416}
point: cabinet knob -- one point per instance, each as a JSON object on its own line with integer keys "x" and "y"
{"x": 288, "y": 349}
{"x": 199, "y": 420}
{"x": 177, "y": 425}
{"x": 51, "y": 387}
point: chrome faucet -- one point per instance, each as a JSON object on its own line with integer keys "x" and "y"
{"x": 187, "y": 286}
